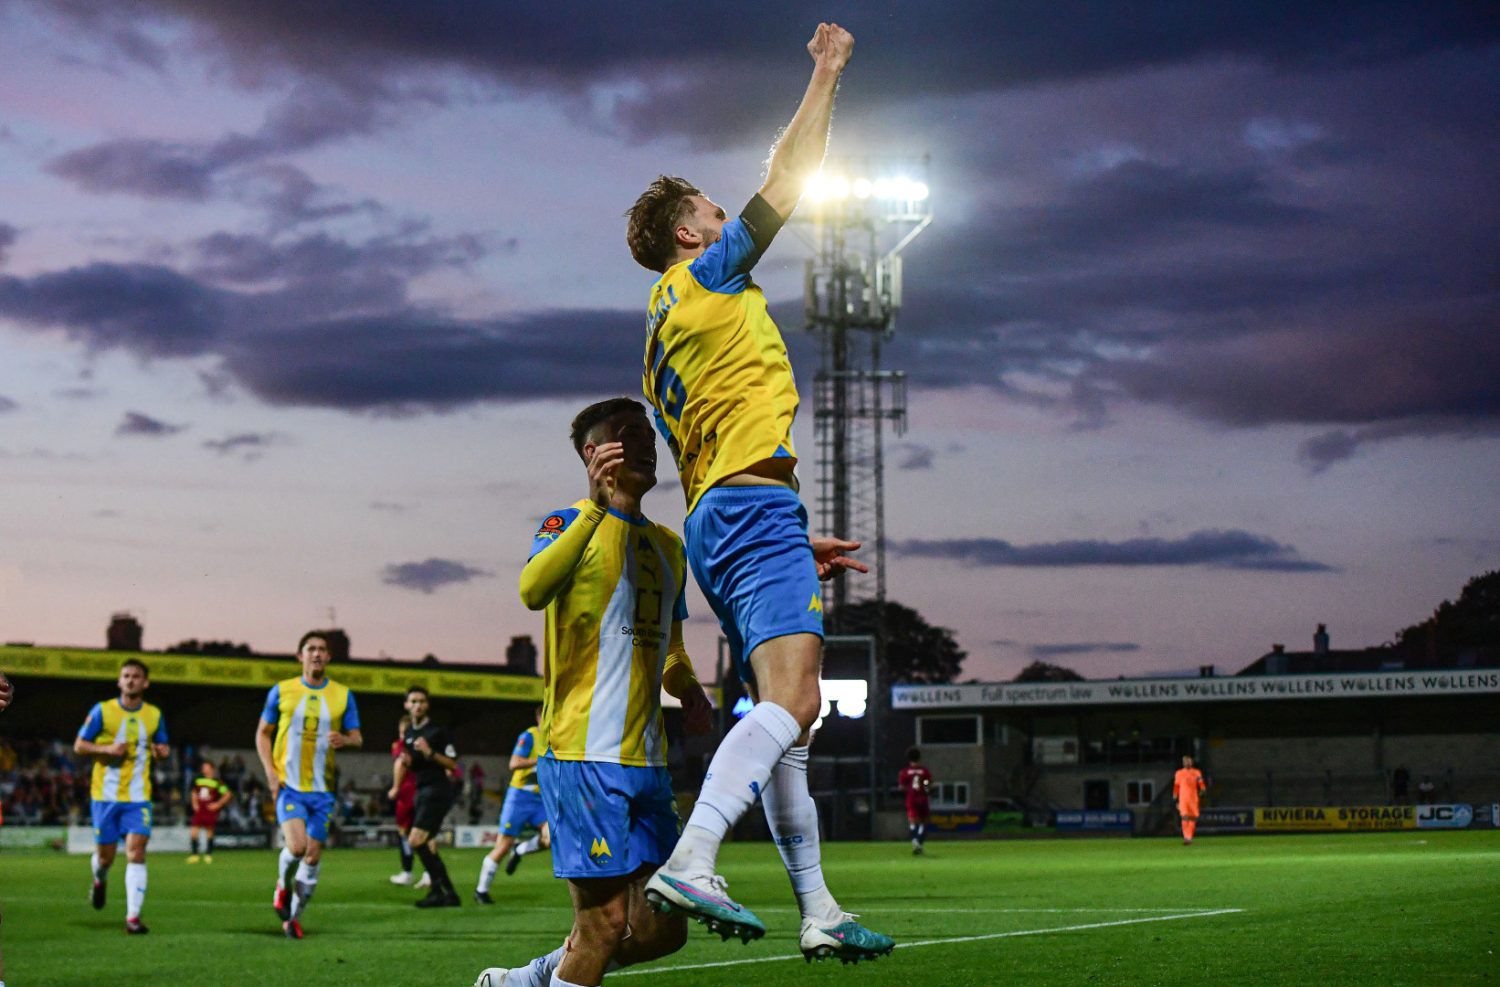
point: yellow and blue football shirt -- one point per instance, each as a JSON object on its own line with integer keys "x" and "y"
{"x": 613, "y": 587}
{"x": 137, "y": 729}
{"x": 526, "y": 746}
{"x": 716, "y": 370}
{"x": 304, "y": 715}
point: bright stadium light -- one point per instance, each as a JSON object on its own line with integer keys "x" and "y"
{"x": 821, "y": 187}
{"x": 862, "y": 187}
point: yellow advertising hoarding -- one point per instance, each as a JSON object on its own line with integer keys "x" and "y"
{"x": 1336, "y": 818}
{"x": 258, "y": 673}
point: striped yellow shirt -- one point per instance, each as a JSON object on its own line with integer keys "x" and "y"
{"x": 613, "y": 587}
{"x": 139, "y": 728}
{"x": 304, "y": 715}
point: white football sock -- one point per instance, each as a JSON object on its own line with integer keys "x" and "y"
{"x": 100, "y": 873}
{"x": 793, "y": 816}
{"x": 529, "y": 846}
{"x": 487, "y": 872}
{"x": 537, "y": 973}
{"x": 283, "y": 864}
{"x": 303, "y": 888}
{"x": 739, "y": 770}
{"x": 135, "y": 889}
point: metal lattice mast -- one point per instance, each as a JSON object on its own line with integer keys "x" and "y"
{"x": 857, "y": 227}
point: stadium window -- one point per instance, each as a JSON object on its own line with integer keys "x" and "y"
{"x": 950, "y": 795}
{"x": 1140, "y": 792}
{"x": 949, "y": 731}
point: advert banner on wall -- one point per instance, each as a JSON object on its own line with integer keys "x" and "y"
{"x": 1329, "y": 818}
{"x": 262, "y": 673}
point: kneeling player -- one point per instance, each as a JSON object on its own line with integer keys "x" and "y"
{"x": 522, "y": 810}
{"x": 603, "y": 766}
{"x": 210, "y": 796}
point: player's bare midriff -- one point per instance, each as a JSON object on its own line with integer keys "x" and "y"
{"x": 767, "y": 472}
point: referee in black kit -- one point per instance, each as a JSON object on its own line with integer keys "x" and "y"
{"x": 428, "y": 752}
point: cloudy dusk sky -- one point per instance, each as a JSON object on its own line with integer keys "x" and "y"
{"x": 297, "y": 301}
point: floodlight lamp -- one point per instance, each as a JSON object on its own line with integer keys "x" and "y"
{"x": 862, "y": 188}
{"x": 919, "y": 191}
{"x": 884, "y": 189}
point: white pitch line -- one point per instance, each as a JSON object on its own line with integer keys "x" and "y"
{"x": 944, "y": 942}
{"x": 1018, "y": 911}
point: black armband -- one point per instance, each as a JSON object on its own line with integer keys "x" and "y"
{"x": 762, "y": 222}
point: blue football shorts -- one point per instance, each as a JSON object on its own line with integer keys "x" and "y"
{"x": 608, "y": 820}
{"x": 313, "y": 808}
{"x": 750, "y": 553}
{"x": 114, "y": 819}
{"x": 522, "y": 810}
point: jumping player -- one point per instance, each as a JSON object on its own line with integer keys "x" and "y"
{"x": 306, "y": 719}
{"x": 916, "y": 781}
{"x": 1186, "y": 785}
{"x": 429, "y": 755}
{"x": 210, "y": 796}
{"x": 122, "y": 736}
{"x": 403, "y": 795}
{"x": 522, "y": 810}
{"x": 717, "y": 373}
{"x": 613, "y": 584}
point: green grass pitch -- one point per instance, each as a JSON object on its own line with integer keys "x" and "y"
{"x": 1390, "y": 908}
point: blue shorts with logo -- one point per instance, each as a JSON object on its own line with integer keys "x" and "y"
{"x": 749, "y": 551}
{"x": 608, "y": 820}
{"x": 313, "y": 808}
{"x": 114, "y": 819}
{"x": 522, "y": 810}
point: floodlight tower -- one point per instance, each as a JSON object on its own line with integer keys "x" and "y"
{"x": 858, "y": 215}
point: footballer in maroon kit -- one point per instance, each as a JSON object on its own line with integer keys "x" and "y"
{"x": 915, "y": 781}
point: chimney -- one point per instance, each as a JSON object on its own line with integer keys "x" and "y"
{"x": 1277, "y": 649}
{"x": 1320, "y": 640}
{"x": 124, "y": 633}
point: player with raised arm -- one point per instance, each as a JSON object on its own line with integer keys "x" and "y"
{"x": 915, "y": 782}
{"x": 522, "y": 810}
{"x": 613, "y": 585}
{"x": 428, "y": 754}
{"x": 305, "y": 720}
{"x": 122, "y": 736}
{"x": 717, "y": 373}
{"x": 209, "y": 797}
{"x": 1186, "y": 784}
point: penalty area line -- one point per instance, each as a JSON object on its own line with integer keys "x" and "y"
{"x": 949, "y": 941}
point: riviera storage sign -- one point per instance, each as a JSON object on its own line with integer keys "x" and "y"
{"x": 1341, "y": 817}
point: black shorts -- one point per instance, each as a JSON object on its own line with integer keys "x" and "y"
{"x": 432, "y": 804}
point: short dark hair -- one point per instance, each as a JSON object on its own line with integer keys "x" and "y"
{"x": 320, "y": 635}
{"x": 599, "y": 411}
{"x": 653, "y": 221}
{"x": 418, "y": 688}
{"x": 138, "y": 664}
{"x": 913, "y": 754}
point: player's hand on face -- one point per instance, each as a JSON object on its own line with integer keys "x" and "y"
{"x": 829, "y": 555}
{"x": 697, "y": 712}
{"x": 604, "y": 468}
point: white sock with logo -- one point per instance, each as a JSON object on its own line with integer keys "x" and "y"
{"x": 304, "y": 886}
{"x": 739, "y": 771}
{"x": 487, "y": 872}
{"x": 283, "y": 864}
{"x": 100, "y": 873}
{"x": 793, "y": 816}
{"x": 135, "y": 889}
